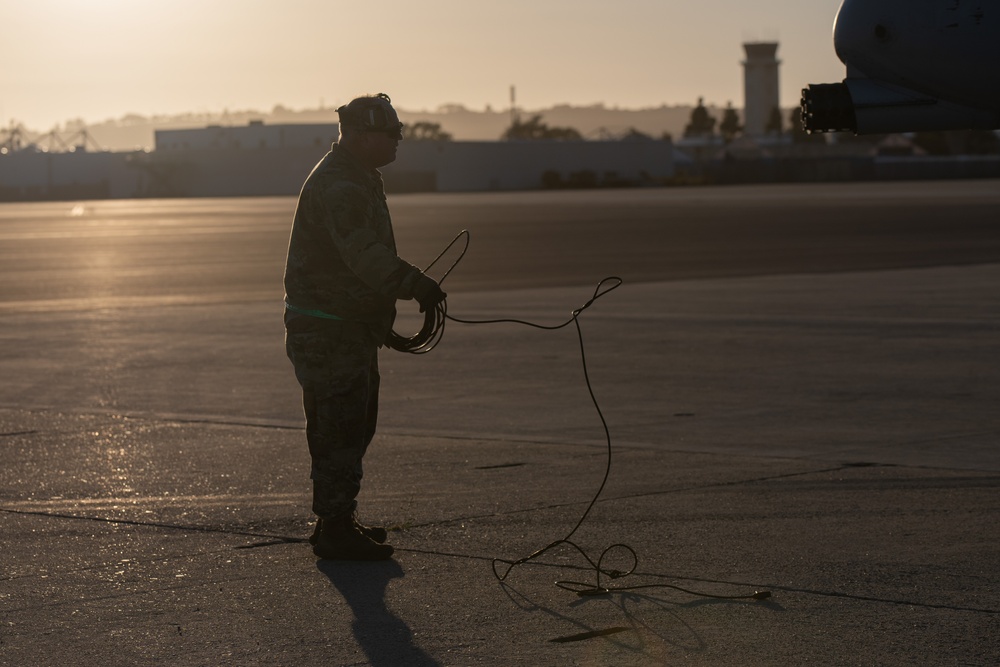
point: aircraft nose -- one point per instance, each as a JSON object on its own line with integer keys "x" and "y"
{"x": 856, "y": 29}
{"x": 876, "y": 38}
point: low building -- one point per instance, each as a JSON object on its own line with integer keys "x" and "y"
{"x": 274, "y": 160}
{"x": 29, "y": 175}
{"x": 254, "y": 136}
{"x": 469, "y": 166}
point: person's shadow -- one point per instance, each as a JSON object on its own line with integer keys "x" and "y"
{"x": 384, "y": 637}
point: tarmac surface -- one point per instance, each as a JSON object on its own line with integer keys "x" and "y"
{"x": 800, "y": 383}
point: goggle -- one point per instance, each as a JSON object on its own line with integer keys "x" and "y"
{"x": 394, "y": 131}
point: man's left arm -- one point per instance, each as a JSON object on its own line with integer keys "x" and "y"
{"x": 368, "y": 258}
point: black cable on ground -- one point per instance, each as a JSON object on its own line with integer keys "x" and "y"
{"x": 430, "y": 335}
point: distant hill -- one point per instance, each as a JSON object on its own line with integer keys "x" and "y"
{"x": 135, "y": 132}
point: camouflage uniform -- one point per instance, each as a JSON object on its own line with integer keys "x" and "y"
{"x": 342, "y": 279}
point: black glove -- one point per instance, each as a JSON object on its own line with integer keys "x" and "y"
{"x": 428, "y": 293}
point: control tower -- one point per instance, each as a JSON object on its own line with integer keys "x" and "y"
{"x": 760, "y": 86}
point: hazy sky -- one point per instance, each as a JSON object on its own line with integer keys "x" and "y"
{"x": 102, "y": 59}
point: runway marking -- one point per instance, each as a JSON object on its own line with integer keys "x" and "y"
{"x": 130, "y": 302}
{"x": 106, "y": 233}
{"x": 256, "y": 500}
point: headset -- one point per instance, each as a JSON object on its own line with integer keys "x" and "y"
{"x": 371, "y": 113}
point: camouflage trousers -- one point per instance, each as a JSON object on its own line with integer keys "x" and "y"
{"x": 336, "y": 364}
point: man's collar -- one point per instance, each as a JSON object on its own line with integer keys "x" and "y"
{"x": 351, "y": 160}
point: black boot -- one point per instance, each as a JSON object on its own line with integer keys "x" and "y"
{"x": 340, "y": 539}
{"x": 374, "y": 533}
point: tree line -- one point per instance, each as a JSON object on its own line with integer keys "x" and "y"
{"x": 703, "y": 125}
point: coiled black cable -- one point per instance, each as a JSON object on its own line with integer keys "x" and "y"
{"x": 430, "y": 335}
{"x": 427, "y": 338}
{"x": 435, "y": 318}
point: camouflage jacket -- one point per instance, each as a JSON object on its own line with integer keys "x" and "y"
{"x": 341, "y": 253}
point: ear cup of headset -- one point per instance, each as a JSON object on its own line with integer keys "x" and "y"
{"x": 376, "y": 117}
{"x": 371, "y": 114}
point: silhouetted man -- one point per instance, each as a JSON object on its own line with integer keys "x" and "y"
{"x": 342, "y": 280}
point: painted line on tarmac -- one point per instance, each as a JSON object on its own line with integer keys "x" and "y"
{"x": 54, "y": 504}
{"x": 130, "y": 302}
